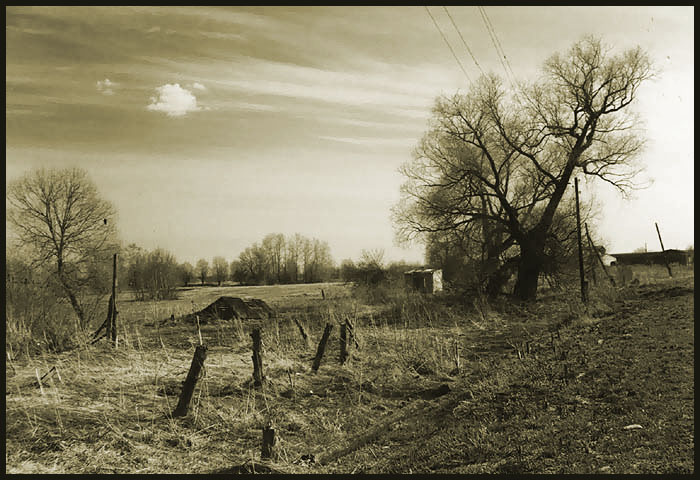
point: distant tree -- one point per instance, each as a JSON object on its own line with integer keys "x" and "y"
{"x": 640, "y": 249}
{"x": 273, "y": 246}
{"x": 59, "y": 215}
{"x": 496, "y": 167}
{"x": 220, "y": 267}
{"x": 254, "y": 264}
{"x": 233, "y": 270}
{"x": 202, "y": 269}
{"x": 186, "y": 272}
{"x": 348, "y": 270}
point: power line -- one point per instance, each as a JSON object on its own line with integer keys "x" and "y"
{"x": 497, "y": 46}
{"x": 498, "y": 41}
{"x": 463, "y": 41}
{"x": 448, "y": 44}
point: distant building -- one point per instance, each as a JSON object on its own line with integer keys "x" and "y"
{"x": 607, "y": 260}
{"x": 426, "y": 280}
{"x": 651, "y": 258}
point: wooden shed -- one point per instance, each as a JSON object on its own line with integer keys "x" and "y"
{"x": 425, "y": 280}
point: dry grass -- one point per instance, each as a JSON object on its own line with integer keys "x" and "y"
{"x": 110, "y": 410}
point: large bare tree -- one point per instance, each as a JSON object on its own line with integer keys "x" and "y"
{"x": 60, "y": 216}
{"x": 496, "y": 165}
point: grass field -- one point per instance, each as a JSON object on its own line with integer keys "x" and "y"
{"x": 437, "y": 385}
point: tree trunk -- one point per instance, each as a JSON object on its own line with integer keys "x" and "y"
{"x": 529, "y": 269}
{"x": 73, "y": 299}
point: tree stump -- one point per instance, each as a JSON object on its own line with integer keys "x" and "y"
{"x": 183, "y": 405}
{"x": 322, "y": 347}
{"x": 258, "y": 376}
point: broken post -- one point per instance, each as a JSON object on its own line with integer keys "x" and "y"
{"x": 183, "y": 405}
{"x": 322, "y": 347}
{"x": 258, "y": 376}
{"x": 268, "y": 442}
{"x": 584, "y": 286}
{"x": 113, "y": 324}
{"x": 343, "y": 343}
{"x": 663, "y": 250}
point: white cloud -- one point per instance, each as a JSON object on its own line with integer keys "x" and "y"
{"x": 105, "y": 86}
{"x": 173, "y": 100}
{"x": 198, "y": 86}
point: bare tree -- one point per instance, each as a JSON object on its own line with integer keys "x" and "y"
{"x": 202, "y": 269}
{"x": 220, "y": 266}
{"x": 496, "y": 167}
{"x": 186, "y": 272}
{"x": 60, "y": 216}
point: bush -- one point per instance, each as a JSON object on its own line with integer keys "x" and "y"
{"x": 38, "y": 320}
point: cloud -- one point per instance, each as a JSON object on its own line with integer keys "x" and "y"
{"x": 173, "y": 100}
{"x": 105, "y": 86}
{"x": 198, "y": 86}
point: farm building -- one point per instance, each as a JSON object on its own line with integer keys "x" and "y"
{"x": 651, "y": 258}
{"x": 426, "y": 280}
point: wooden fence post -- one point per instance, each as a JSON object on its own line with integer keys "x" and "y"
{"x": 268, "y": 442}
{"x": 597, "y": 254}
{"x": 183, "y": 405}
{"x": 301, "y": 330}
{"x": 258, "y": 376}
{"x": 343, "y": 343}
{"x": 114, "y": 301}
{"x": 584, "y": 285}
{"x": 663, "y": 250}
{"x": 322, "y": 347}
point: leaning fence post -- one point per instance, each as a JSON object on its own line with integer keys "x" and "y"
{"x": 183, "y": 405}
{"x": 258, "y": 376}
{"x": 322, "y": 347}
{"x": 301, "y": 330}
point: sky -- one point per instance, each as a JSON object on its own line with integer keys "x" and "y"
{"x": 210, "y": 127}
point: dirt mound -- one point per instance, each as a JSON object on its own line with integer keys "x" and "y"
{"x": 229, "y": 308}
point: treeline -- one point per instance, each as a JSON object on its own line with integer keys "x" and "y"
{"x": 155, "y": 275}
{"x": 279, "y": 259}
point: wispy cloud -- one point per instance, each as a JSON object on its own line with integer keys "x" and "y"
{"x": 173, "y": 100}
{"x": 106, "y": 86}
{"x": 198, "y": 86}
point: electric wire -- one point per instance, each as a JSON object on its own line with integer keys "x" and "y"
{"x": 448, "y": 44}
{"x": 463, "y": 40}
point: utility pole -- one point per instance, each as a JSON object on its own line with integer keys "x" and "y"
{"x": 584, "y": 286}
{"x": 663, "y": 251}
{"x": 113, "y": 325}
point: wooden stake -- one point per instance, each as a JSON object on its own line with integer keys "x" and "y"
{"x": 269, "y": 442}
{"x": 343, "y": 343}
{"x": 600, "y": 260}
{"x": 106, "y": 324}
{"x": 584, "y": 287}
{"x": 114, "y": 301}
{"x": 301, "y": 330}
{"x": 668, "y": 266}
{"x": 258, "y": 376}
{"x": 322, "y": 347}
{"x": 183, "y": 405}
